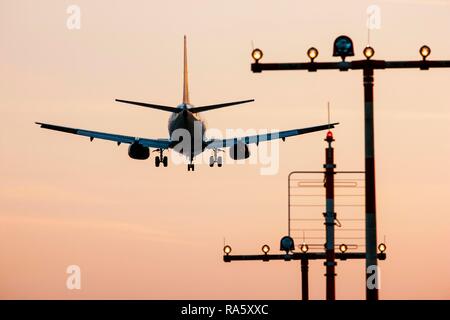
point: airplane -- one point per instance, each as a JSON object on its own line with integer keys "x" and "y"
{"x": 186, "y": 117}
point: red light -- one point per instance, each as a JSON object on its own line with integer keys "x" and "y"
{"x": 329, "y": 135}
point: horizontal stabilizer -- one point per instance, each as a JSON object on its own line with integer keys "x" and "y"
{"x": 153, "y": 106}
{"x": 217, "y": 106}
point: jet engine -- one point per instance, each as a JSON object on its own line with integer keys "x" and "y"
{"x": 138, "y": 151}
{"x": 239, "y": 151}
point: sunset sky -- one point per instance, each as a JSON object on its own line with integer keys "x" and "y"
{"x": 140, "y": 232}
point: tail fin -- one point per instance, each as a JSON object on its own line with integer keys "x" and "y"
{"x": 185, "y": 76}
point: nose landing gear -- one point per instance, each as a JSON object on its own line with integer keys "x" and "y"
{"x": 190, "y": 165}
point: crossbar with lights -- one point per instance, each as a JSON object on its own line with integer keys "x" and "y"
{"x": 343, "y": 65}
{"x": 300, "y": 256}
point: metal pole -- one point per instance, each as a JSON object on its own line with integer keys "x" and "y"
{"x": 371, "y": 224}
{"x": 305, "y": 285}
{"x": 289, "y": 204}
{"x": 330, "y": 216}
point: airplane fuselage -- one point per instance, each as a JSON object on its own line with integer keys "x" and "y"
{"x": 187, "y": 124}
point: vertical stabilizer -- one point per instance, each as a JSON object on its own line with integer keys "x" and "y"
{"x": 185, "y": 76}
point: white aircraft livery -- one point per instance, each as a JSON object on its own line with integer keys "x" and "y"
{"x": 186, "y": 129}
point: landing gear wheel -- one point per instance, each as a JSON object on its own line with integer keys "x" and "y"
{"x": 219, "y": 162}
{"x": 157, "y": 161}
{"x": 165, "y": 161}
{"x": 211, "y": 161}
{"x": 191, "y": 167}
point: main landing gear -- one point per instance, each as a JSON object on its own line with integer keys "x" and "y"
{"x": 215, "y": 159}
{"x": 161, "y": 158}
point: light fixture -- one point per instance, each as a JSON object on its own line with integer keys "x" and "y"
{"x": 343, "y": 47}
{"x": 312, "y": 53}
{"x": 227, "y": 250}
{"x": 368, "y": 52}
{"x": 257, "y": 54}
{"x": 343, "y": 248}
{"x": 425, "y": 51}
{"x": 329, "y": 136}
{"x": 287, "y": 244}
{"x": 265, "y": 248}
{"x": 304, "y": 248}
{"x": 382, "y": 247}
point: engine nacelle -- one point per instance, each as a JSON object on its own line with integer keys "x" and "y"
{"x": 138, "y": 151}
{"x": 239, "y": 151}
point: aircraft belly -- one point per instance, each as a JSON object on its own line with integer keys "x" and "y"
{"x": 196, "y": 128}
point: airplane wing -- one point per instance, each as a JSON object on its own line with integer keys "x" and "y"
{"x": 217, "y": 143}
{"x": 151, "y": 143}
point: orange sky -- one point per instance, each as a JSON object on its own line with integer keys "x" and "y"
{"x": 138, "y": 231}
